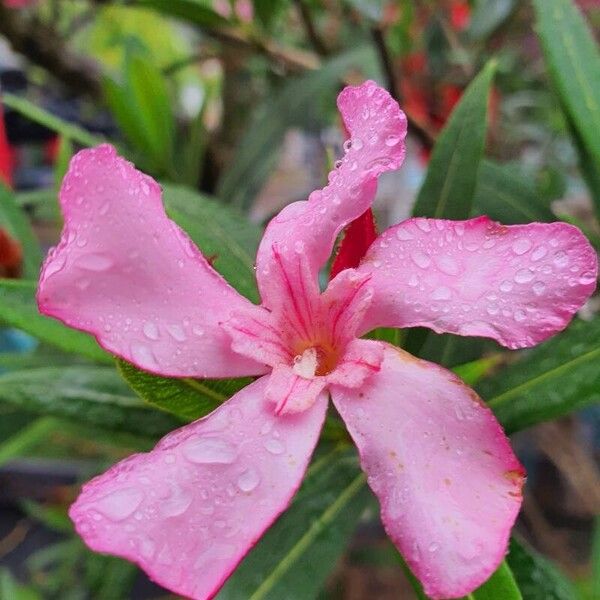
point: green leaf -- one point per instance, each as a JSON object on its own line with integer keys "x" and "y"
{"x": 505, "y": 194}
{"x": 52, "y": 122}
{"x": 500, "y": 586}
{"x": 96, "y": 396}
{"x": 554, "y": 379}
{"x": 574, "y": 65}
{"x": 186, "y": 398}
{"x": 449, "y": 186}
{"x": 142, "y": 107}
{"x": 304, "y": 545}
{"x": 65, "y": 153}
{"x": 536, "y": 576}
{"x": 28, "y": 437}
{"x": 195, "y": 12}
{"x": 297, "y": 98}
{"x": 19, "y": 309}
{"x": 487, "y": 16}
{"x": 10, "y": 589}
{"x": 224, "y": 235}
{"x": 14, "y": 220}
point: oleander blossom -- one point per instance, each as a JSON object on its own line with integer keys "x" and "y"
{"x": 447, "y": 480}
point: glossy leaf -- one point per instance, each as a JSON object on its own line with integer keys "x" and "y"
{"x": 500, "y": 586}
{"x": 92, "y": 395}
{"x": 224, "y": 235}
{"x": 554, "y": 379}
{"x": 187, "y": 398}
{"x": 304, "y": 545}
{"x": 19, "y": 309}
{"x": 536, "y": 576}
{"x": 573, "y": 62}
{"x": 52, "y": 122}
{"x": 449, "y": 186}
{"x": 290, "y": 106}
{"x": 504, "y": 194}
{"x": 14, "y": 220}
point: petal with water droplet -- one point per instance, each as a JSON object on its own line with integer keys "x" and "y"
{"x": 189, "y": 510}
{"x": 516, "y": 290}
{"x": 447, "y": 480}
{"x": 137, "y": 283}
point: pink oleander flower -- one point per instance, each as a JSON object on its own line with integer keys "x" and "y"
{"x": 448, "y": 482}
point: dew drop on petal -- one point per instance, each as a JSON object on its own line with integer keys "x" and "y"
{"x": 274, "y": 446}
{"x": 248, "y": 480}
{"x": 539, "y": 287}
{"x": 120, "y": 504}
{"x": 150, "y": 330}
{"x": 524, "y": 275}
{"x": 206, "y": 450}
{"x": 521, "y": 246}
{"x": 403, "y": 234}
{"x": 587, "y": 278}
{"x": 94, "y": 262}
{"x": 539, "y": 253}
{"x": 441, "y": 293}
{"x": 506, "y": 286}
{"x": 176, "y": 332}
{"x": 561, "y": 259}
{"x": 420, "y": 259}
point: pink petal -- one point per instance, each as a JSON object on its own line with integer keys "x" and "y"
{"x": 304, "y": 232}
{"x": 447, "y": 480}
{"x": 291, "y": 393}
{"x": 360, "y": 360}
{"x": 518, "y": 284}
{"x": 124, "y": 272}
{"x": 188, "y": 511}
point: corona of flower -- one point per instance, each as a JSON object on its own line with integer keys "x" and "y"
{"x": 447, "y": 480}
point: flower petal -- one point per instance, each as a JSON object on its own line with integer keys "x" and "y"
{"x": 124, "y": 272}
{"x": 305, "y": 231}
{"x": 292, "y": 393}
{"x": 188, "y": 511}
{"x": 518, "y": 284}
{"x": 447, "y": 480}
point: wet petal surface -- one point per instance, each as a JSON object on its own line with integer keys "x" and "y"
{"x": 447, "y": 480}
{"x": 517, "y": 284}
{"x": 188, "y": 511}
{"x": 124, "y": 272}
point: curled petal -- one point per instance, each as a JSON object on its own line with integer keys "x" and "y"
{"x": 188, "y": 511}
{"x": 360, "y": 360}
{"x": 447, "y": 480}
{"x": 305, "y": 231}
{"x": 124, "y": 272}
{"x": 517, "y": 284}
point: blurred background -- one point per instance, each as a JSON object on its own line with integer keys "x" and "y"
{"x": 231, "y": 104}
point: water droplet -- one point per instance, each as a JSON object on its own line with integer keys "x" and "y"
{"x": 521, "y": 246}
{"x": 539, "y": 287}
{"x": 420, "y": 259}
{"x": 176, "y": 332}
{"x": 423, "y": 225}
{"x": 561, "y": 259}
{"x": 520, "y": 315}
{"x": 94, "y": 262}
{"x": 274, "y": 446}
{"x": 403, "y": 234}
{"x": 392, "y": 140}
{"x": 587, "y": 278}
{"x": 206, "y": 450}
{"x": 248, "y": 480}
{"x": 441, "y": 293}
{"x": 197, "y": 331}
{"x": 120, "y": 504}
{"x": 506, "y": 286}
{"x": 448, "y": 265}
{"x": 177, "y": 503}
{"x": 150, "y": 330}
{"x": 142, "y": 355}
{"x": 433, "y": 547}
{"x": 413, "y": 280}
{"x": 539, "y": 253}
{"x": 492, "y": 310}
{"x": 266, "y": 427}
{"x": 347, "y": 145}
{"x": 357, "y": 143}
{"x": 524, "y": 275}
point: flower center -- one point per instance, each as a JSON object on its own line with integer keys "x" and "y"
{"x": 315, "y": 361}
